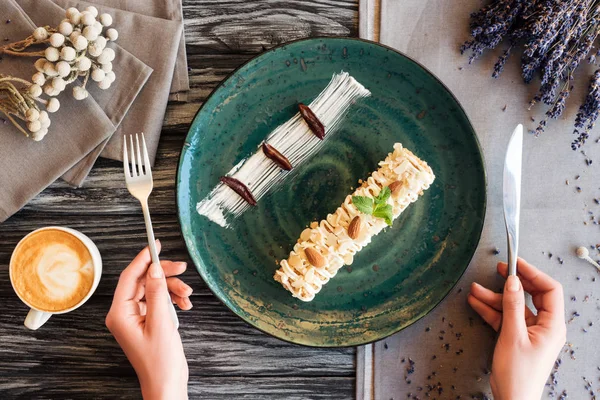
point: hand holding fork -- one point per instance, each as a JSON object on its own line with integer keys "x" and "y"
{"x": 139, "y": 183}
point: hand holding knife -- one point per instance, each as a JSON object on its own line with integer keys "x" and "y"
{"x": 512, "y": 195}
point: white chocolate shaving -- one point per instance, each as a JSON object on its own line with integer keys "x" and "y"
{"x": 330, "y": 236}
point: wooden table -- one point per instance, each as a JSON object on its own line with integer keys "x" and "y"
{"x": 74, "y": 355}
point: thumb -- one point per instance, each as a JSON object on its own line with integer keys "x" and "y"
{"x": 513, "y": 310}
{"x": 157, "y": 299}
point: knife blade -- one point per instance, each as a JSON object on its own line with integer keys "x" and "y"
{"x": 511, "y": 195}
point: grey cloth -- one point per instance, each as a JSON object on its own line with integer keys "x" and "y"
{"x": 27, "y": 167}
{"x": 155, "y": 42}
{"x": 552, "y": 216}
{"x": 165, "y": 9}
{"x": 132, "y": 74}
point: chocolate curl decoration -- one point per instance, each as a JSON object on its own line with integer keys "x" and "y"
{"x": 313, "y": 122}
{"x": 278, "y": 158}
{"x": 239, "y": 188}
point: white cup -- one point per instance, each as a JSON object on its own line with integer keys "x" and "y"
{"x": 36, "y": 318}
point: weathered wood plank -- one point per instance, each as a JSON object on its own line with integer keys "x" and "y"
{"x": 216, "y": 342}
{"x": 240, "y": 26}
{"x": 205, "y": 388}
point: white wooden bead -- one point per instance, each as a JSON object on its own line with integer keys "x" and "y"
{"x": 59, "y": 84}
{"x": 71, "y": 11}
{"x": 35, "y": 90}
{"x": 101, "y": 42}
{"x": 68, "y": 53}
{"x": 38, "y": 78}
{"x": 107, "y": 67}
{"x": 51, "y": 54}
{"x": 66, "y": 28}
{"x": 40, "y": 33}
{"x": 39, "y": 64}
{"x": 34, "y": 126}
{"x": 98, "y": 75}
{"x": 87, "y": 18}
{"x": 39, "y": 135}
{"x": 110, "y": 53}
{"x": 53, "y": 105}
{"x": 50, "y": 69}
{"x": 75, "y": 19}
{"x": 80, "y": 93}
{"x": 84, "y": 64}
{"x": 32, "y": 115}
{"x": 63, "y": 68}
{"x": 105, "y": 84}
{"x": 80, "y": 43}
{"x": 57, "y": 39}
{"x": 43, "y": 117}
{"x": 94, "y": 50}
{"x": 90, "y": 33}
{"x": 92, "y": 10}
{"x": 106, "y": 20}
{"x": 112, "y": 34}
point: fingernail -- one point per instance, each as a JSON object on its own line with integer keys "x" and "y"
{"x": 183, "y": 264}
{"x": 189, "y": 290}
{"x": 157, "y": 241}
{"x": 189, "y": 304}
{"x": 513, "y": 284}
{"x": 156, "y": 271}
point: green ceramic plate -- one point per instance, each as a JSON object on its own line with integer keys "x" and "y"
{"x": 408, "y": 269}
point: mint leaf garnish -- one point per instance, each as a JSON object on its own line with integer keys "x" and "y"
{"x": 364, "y": 204}
{"x": 377, "y": 207}
{"x": 384, "y": 194}
{"x": 384, "y": 211}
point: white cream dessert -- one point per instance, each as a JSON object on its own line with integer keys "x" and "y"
{"x": 332, "y": 243}
{"x": 294, "y": 140}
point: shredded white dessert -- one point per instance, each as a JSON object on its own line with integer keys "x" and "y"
{"x": 294, "y": 140}
{"x": 330, "y": 237}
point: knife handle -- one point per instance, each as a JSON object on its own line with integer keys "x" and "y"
{"x": 513, "y": 247}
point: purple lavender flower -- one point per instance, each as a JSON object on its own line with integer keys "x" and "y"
{"x": 556, "y": 36}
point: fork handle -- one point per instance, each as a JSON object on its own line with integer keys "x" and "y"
{"x": 155, "y": 259}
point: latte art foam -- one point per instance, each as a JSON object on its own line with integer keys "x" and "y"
{"x": 52, "y": 270}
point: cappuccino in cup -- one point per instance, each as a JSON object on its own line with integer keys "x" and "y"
{"x": 54, "y": 270}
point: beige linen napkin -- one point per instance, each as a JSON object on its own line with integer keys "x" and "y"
{"x": 155, "y": 42}
{"x": 132, "y": 74}
{"x": 166, "y": 9}
{"x": 26, "y": 166}
{"x": 552, "y": 216}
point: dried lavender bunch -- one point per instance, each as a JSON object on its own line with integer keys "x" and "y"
{"x": 556, "y": 37}
{"x": 588, "y": 112}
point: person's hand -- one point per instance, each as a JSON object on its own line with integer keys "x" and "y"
{"x": 140, "y": 321}
{"x": 528, "y": 343}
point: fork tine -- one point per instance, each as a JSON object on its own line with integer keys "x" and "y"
{"x": 126, "y": 159}
{"x": 147, "y": 167}
{"x": 139, "y": 155}
{"x": 134, "y": 170}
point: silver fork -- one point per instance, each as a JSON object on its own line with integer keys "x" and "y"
{"x": 139, "y": 183}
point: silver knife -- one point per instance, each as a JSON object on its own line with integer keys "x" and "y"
{"x": 512, "y": 195}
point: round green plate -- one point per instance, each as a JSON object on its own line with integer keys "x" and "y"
{"x": 407, "y": 269}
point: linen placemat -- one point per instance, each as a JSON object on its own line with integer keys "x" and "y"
{"x": 166, "y": 9}
{"x": 132, "y": 74}
{"x": 451, "y": 347}
{"x": 155, "y": 42}
{"x": 26, "y": 166}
